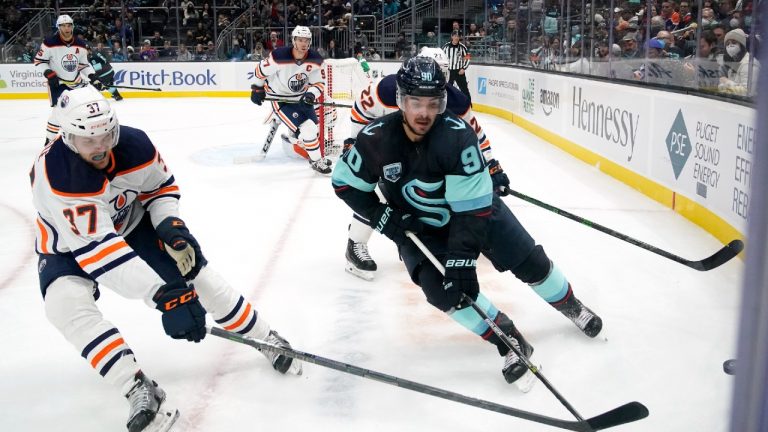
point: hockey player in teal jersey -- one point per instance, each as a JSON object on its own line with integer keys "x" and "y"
{"x": 428, "y": 165}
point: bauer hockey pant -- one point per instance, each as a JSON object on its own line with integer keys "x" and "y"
{"x": 507, "y": 245}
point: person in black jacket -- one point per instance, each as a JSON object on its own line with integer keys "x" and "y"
{"x": 104, "y": 71}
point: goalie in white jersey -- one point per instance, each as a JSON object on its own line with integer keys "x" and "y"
{"x": 294, "y": 73}
{"x": 107, "y": 213}
{"x": 380, "y": 99}
{"x": 63, "y": 60}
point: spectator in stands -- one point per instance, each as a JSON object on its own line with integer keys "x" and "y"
{"x": 190, "y": 38}
{"x": 157, "y": 41}
{"x": 719, "y": 32}
{"x": 708, "y": 19}
{"x": 132, "y": 54}
{"x": 361, "y": 40}
{"x": 740, "y": 78}
{"x": 473, "y": 30}
{"x": 574, "y": 61}
{"x": 167, "y": 53}
{"x": 117, "y": 52}
{"x": 211, "y": 51}
{"x": 390, "y": 7}
{"x": 237, "y": 53}
{"x": 702, "y": 69}
{"x": 674, "y": 52}
{"x": 184, "y": 54}
{"x": 206, "y": 14}
{"x": 333, "y": 52}
{"x": 373, "y": 55}
{"x": 671, "y": 17}
{"x": 123, "y": 32}
{"x": 190, "y": 13}
{"x": 200, "y": 54}
{"x": 201, "y": 33}
{"x": 401, "y": 46}
{"x": 258, "y": 53}
{"x": 629, "y": 49}
{"x": 273, "y": 42}
{"x": 27, "y": 54}
{"x": 148, "y": 53}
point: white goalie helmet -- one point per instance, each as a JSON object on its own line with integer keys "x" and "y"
{"x": 302, "y": 32}
{"x": 84, "y": 112}
{"x": 64, "y": 19}
{"x": 439, "y": 55}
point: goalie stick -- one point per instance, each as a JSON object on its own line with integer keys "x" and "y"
{"x": 722, "y": 256}
{"x": 273, "y": 125}
{"x": 626, "y": 413}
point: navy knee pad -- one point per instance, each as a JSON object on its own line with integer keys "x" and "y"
{"x": 534, "y": 268}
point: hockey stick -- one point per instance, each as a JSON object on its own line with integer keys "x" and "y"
{"x": 624, "y": 414}
{"x": 135, "y": 88}
{"x": 291, "y": 101}
{"x": 722, "y": 256}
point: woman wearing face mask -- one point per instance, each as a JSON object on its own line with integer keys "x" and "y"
{"x": 738, "y": 79}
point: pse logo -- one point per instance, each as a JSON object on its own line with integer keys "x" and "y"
{"x": 164, "y": 77}
{"x": 482, "y": 85}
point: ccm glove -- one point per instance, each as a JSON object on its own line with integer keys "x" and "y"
{"x": 181, "y": 246}
{"x": 308, "y": 99}
{"x": 394, "y": 223}
{"x": 258, "y": 94}
{"x": 460, "y": 278}
{"x": 183, "y": 315}
{"x": 96, "y": 82}
{"x": 498, "y": 177}
{"x": 53, "y": 79}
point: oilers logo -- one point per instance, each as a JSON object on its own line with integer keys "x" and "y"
{"x": 298, "y": 82}
{"x": 69, "y": 63}
{"x": 121, "y": 205}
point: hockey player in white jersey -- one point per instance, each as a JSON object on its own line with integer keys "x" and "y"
{"x": 294, "y": 73}
{"x": 378, "y": 100}
{"x": 63, "y": 60}
{"x": 108, "y": 214}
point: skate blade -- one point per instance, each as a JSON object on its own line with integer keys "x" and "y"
{"x": 362, "y": 274}
{"x": 295, "y": 368}
{"x": 526, "y": 382}
{"x": 164, "y": 419}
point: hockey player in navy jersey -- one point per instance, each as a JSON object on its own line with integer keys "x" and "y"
{"x": 107, "y": 213}
{"x": 378, "y": 100}
{"x": 63, "y": 60}
{"x": 429, "y": 167}
{"x": 294, "y": 73}
{"x": 104, "y": 72}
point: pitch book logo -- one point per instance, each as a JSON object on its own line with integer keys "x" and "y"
{"x": 164, "y": 77}
{"x": 482, "y": 85}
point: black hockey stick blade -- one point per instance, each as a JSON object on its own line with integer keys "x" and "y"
{"x": 626, "y": 413}
{"x": 727, "y": 253}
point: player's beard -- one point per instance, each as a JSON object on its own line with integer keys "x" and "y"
{"x": 422, "y": 126}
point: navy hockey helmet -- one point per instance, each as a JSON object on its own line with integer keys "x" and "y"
{"x": 421, "y": 76}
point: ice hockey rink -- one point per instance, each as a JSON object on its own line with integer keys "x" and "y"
{"x": 277, "y": 232}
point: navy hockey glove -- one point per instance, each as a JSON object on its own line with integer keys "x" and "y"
{"x": 181, "y": 246}
{"x": 460, "y": 277}
{"x": 308, "y": 99}
{"x": 394, "y": 223}
{"x": 96, "y": 82}
{"x": 349, "y": 143}
{"x": 498, "y": 177}
{"x": 183, "y": 315}
{"x": 258, "y": 94}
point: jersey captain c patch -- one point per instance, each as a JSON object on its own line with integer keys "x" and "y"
{"x": 393, "y": 171}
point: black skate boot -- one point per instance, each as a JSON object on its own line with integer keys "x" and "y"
{"x": 117, "y": 96}
{"x": 359, "y": 262}
{"x": 147, "y": 412}
{"x": 322, "y": 165}
{"x": 281, "y": 363}
{"x": 586, "y": 320}
{"x": 514, "y": 367}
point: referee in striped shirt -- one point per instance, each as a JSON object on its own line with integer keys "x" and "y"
{"x": 458, "y": 61}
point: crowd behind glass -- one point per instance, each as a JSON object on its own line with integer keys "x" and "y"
{"x": 707, "y": 45}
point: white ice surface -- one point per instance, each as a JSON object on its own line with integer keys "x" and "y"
{"x": 277, "y": 232}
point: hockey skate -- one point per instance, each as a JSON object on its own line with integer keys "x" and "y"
{"x": 118, "y": 97}
{"x": 322, "y": 165}
{"x": 515, "y": 370}
{"x": 359, "y": 262}
{"x": 281, "y": 363}
{"x": 148, "y": 411}
{"x": 586, "y": 320}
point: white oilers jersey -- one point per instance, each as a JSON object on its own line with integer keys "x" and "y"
{"x": 67, "y": 59}
{"x": 287, "y": 78}
{"x": 380, "y": 99}
{"x": 87, "y": 212}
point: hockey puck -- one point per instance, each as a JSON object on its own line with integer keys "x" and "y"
{"x": 729, "y": 367}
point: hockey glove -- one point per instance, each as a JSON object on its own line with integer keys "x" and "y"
{"x": 53, "y": 79}
{"x": 498, "y": 177}
{"x": 96, "y": 82}
{"x": 181, "y": 246}
{"x": 258, "y": 94}
{"x": 308, "y": 99}
{"x": 394, "y": 223}
{"x": 460, "y": 277}
{"x": 349, "y": 143}
{"x": 183, "y": 315}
